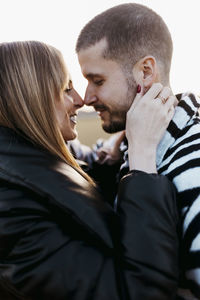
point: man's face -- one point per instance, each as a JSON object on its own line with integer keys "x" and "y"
{"x": 110, "y": 90}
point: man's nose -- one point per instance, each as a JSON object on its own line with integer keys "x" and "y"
{"x": 78, "y": 101}
{"x": 90, "y": 98}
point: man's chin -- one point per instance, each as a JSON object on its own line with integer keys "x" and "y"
{"x": 113, "y": 127}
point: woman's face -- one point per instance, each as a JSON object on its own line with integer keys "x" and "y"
{"x": 66, "y": 112}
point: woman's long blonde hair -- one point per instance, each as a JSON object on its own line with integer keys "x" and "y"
{"x": 32, "y": 76}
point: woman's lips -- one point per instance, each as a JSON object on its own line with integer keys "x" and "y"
{"x": 73, "y": 118}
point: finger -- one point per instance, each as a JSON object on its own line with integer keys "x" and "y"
{"x": 120, "y": 138}
{"x": 172, "y": 101}
{"x": 170, "y": 114}
{"x": 101, "y": 154}
{"x": 176, "y": 102}
{"x": 154, "y": 91}
{"x": 136, "y": 99}
{"x": 164, "y": 95}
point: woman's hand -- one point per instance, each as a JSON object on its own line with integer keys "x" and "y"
{"x": 147, "y": 120}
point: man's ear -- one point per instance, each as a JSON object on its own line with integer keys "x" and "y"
{"x": 145, "y": 72}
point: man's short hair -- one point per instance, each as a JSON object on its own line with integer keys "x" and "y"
{"x": 132, "y": 31}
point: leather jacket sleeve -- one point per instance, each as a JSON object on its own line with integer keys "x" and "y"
{"x": 149, "y": 219}
{"x": 53, "y": 257}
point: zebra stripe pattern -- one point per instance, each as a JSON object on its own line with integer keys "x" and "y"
{"x": 178, "y": 157}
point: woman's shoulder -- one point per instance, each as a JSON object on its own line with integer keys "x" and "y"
{"x": 25, "y": 164}
{"x": 53, "y": 184}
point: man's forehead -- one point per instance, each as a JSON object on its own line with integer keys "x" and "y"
{"x": 98, "y": 47}
{"x": 92, "y": 61}
{"x": 92, "y": 53}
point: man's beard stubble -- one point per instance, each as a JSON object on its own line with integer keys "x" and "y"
{"x": 115, "y": 126}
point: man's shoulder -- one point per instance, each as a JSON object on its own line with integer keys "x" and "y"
{"x": 184, "y": 153}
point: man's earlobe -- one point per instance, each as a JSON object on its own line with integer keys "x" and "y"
{"x": 145, "y": 72}
{"x": 150, "y": 71}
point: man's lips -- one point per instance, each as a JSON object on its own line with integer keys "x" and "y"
{"x": 100, "y": 108}
{"x": 102, "y": 113}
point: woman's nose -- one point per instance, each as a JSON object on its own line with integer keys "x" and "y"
{"x": 78, "y": 101}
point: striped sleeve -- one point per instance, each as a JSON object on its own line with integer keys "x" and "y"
{"x": 181, "y": 164}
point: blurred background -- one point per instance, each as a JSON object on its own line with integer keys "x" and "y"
{"x": 58, "y": 23}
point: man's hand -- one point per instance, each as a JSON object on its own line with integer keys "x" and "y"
{"x": 110, "y": 153}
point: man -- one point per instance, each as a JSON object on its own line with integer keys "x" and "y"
{"x": 123, "y": 50}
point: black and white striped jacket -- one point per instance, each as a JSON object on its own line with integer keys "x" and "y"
{"x": 178, "y": 157}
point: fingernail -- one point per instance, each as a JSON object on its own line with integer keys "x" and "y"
{"x": 138, "y": 89}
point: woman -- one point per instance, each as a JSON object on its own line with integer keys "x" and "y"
{"x": 58, "y": 238}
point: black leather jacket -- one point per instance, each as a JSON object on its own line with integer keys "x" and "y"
{"x": 60, "y": 240}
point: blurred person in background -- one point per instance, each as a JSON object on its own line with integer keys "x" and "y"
{"x": 59, "y": 239}
{"x": 129, "y": 48}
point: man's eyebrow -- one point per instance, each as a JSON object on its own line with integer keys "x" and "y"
{"x": 92, "y": 75}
